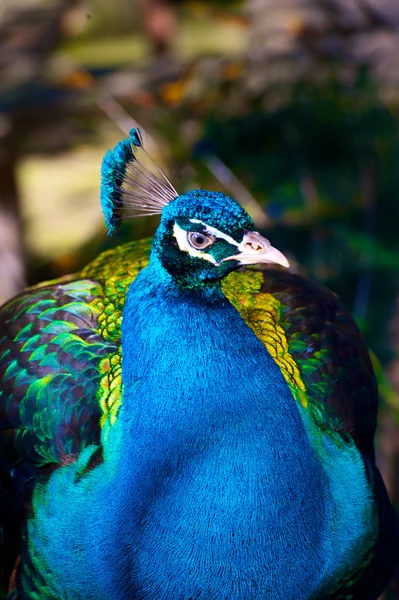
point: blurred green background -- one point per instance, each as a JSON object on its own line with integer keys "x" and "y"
{"x": 290, "y": 106}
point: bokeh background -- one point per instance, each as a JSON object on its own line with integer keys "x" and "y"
{"x": 290, "y": 106}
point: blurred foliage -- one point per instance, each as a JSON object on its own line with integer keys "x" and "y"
{"x": 324, "y": 167}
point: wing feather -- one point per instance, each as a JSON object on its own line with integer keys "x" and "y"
{"x": 317, "y": 346}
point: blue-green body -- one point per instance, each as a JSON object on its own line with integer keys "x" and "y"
{"x": 210, "y": 468}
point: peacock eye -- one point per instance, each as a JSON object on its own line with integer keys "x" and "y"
{"x": 199, "y": 241}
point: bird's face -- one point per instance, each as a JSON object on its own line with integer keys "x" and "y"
{"x": 203, "y": 236}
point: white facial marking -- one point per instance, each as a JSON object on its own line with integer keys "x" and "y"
{"x": 216, "y": 233}
{"x": 181, "y": 238}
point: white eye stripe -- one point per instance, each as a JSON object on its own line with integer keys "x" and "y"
{"x": 216, "y": 233}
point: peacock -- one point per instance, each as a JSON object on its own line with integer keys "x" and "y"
{"x": 186, "y": 418}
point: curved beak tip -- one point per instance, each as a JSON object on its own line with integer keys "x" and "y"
{"x": 278, "y": 258}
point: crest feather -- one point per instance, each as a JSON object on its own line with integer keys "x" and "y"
{"x": 128, "y": 188}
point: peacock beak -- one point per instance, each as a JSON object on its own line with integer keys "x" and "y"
{"x": 254, "y": 249}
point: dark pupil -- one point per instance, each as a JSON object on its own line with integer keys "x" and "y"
{"x": 199, "y": 239}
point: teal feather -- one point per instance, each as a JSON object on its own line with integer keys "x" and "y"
{"x": 113, "y": 171}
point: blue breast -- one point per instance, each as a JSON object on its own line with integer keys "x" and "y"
{"x": 210, "y": 487}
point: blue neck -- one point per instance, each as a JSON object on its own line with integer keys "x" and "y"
{"x": 182, "y": 353}
{"x": 190, "y": 362}
{"x": 213, "y": 446}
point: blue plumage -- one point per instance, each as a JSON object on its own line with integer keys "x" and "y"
{"x": 199, "y": 460}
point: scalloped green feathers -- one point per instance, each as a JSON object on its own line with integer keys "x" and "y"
{"x": 51, "y": 371}
{"x": 128, "y": 188}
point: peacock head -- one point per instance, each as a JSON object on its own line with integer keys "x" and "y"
{"x": 205, "y": 235}
{"x": 202, "y": 235}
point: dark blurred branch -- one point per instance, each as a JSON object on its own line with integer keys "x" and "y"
{"x": 367, "y": 199}
{"x": 12, "y": 270}
{"x": 28, "y": 33}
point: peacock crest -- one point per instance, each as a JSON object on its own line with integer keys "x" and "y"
{"x": 128, "y": 187}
